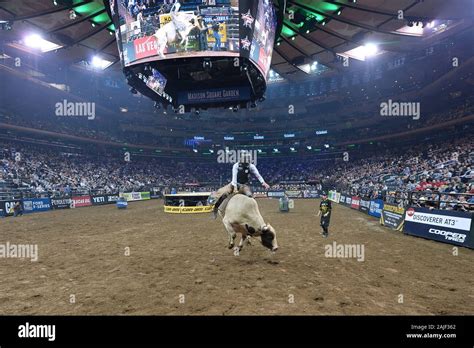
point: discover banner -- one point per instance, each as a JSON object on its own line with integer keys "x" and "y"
{"x": 447, "y": 226}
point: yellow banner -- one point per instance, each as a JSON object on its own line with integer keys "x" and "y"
{"x": 188, "y": 210}
{"x": 164, "y": 18}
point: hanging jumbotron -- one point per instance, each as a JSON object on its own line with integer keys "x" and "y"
{"x": 196, "y": 55}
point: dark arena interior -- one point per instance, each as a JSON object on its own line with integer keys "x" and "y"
{"x": 236, "y": 157}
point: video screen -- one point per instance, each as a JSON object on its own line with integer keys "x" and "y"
{"x": 166, "y": 29}
{"x": 156, "y": 82}
{"x": 264, "y": 36}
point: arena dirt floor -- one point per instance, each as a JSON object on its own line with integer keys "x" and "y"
{"x": 82, "y": 253}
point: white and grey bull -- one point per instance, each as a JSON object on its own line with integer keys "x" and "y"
{"x": 242, "y": 216}
{"x": 182, "y": 24}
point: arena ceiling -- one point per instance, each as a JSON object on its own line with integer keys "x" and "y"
{"x": 311, "y": 30}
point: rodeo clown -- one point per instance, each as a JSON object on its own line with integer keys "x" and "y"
{"x": 241, "y": 171}
{"x": 325, "y": 212}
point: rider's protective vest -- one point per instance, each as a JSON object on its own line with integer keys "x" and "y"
{"x": 243, "y": 173}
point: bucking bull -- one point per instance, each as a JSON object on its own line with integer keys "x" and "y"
{"x": 240, "y": 214}
{"x": 179, "y": 28}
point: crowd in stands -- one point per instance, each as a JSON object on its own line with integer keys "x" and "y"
{"x": 441, "y": 175}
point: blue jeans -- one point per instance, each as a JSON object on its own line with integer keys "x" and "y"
{"x": 217, "y": 45}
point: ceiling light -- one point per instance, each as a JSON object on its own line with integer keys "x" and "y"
{"x": 37, "y": 42}
{"x": 100, "y": 63}
{"x": 370, "y": 49}
{"x": 33, "y": 41}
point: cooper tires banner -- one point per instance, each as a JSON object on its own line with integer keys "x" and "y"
{"x": 447, "y": 226}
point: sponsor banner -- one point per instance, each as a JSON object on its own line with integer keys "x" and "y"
{"x": 348, "y": 200}
{"x": 342, "y": 198}
{"x": 276, "y": 194}
{"x": 144, "y": 47}
{"x": 364, "y": 205}
{"x": 104, "y": 199}
{"x": 311, "y": 194}
{"x": 188, "y": 210}
{"x": 145, "y": 196}
{"x": 131, "y": 196}
{"x": 81, "y": 201}
{"x": 440, "y": 218}
{"x": 36, "y": 204}
{"x": 61, "y": 203}
{"x": 7, "y": 207}
{"x": 333, "y": 196}
{"x": 392, "y": 216}
{"x": 136, "y": 196}
{"x": 375, "y": 209}
{"x": 260, "y": 194}
{"x": 294, "y": 194}
{"x": 453, "y": 227}
{"x": 355, "y": 202}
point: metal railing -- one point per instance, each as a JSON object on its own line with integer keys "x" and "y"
{"x": 442, "y": 200}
